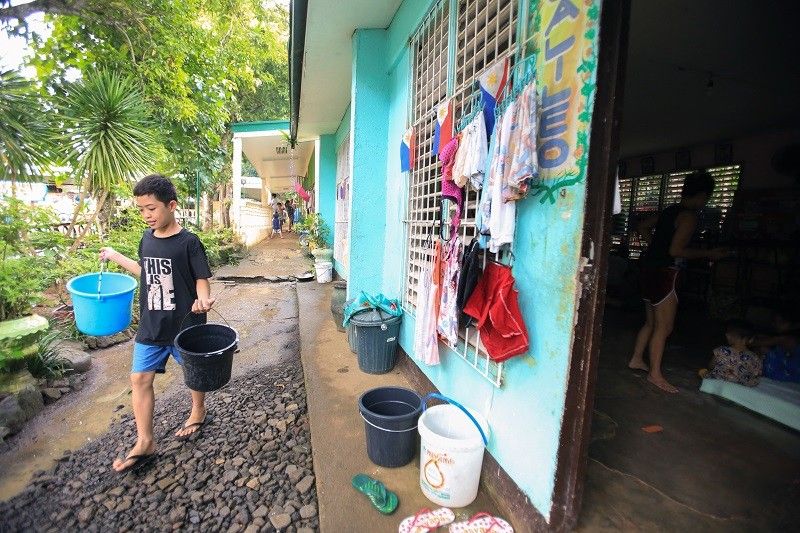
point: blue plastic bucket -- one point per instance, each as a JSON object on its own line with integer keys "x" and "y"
{"x": 106, "y": 313}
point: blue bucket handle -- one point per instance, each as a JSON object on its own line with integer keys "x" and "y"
{"x": 437, "y": 396}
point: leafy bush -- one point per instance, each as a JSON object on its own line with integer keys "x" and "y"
{"x": 46, "y": 363}
{"x": 21, "y": 280}
{"x": 35, "y": 255}
{"x": 318, "y": 231}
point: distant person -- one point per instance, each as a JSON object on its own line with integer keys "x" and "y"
{"x": 273, "y": 203}
{"x": 290, "y": 213}
{"x": 735, "y": 362}
{"x": 661, "y": 265}
{"x": 174, "y": 273}
{"x": 277, "y": 222}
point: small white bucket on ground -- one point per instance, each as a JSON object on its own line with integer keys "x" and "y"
{"x": 451, "y": 455}
{"x": 324, "y": 271}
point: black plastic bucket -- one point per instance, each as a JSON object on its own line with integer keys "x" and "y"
{"x": 390, "y": 421}
{"x": 207, "y": 353}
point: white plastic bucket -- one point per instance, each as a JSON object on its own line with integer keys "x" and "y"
{"x": 324, "y": 271}
{"x": 451, "y": 455}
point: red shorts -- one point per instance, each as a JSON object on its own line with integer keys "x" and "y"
{"x": 658, "y": 283}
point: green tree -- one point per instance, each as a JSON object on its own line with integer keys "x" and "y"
{"x": 109, "y": 134}
{"x": 201, "y": 64}
{"x": 26, "y": 134}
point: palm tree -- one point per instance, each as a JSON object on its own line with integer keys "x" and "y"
{"x": 108, "y": 134}
{"x": 26, "y": 133}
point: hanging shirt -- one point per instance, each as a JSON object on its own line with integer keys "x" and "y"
{"x": 426, "y": 341}
{"x": 449, "y": 311}
{"x": 495, "y": 307}
{"x": 171, "y": 267}
{"x": 522, "y": 161}
{"x": 470, "y": 163}
{"x": 502, "y": 214}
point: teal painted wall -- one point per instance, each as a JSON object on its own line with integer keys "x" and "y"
{"x": 526, "y": 413}
{"x": 369, "y": 133}
{"x": 327, "y": 182}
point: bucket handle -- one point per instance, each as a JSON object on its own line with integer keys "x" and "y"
{"x": 100, "y": 277}
{"x": 192, "y": 312}
{"x": 384, "y": 429}
{"x": 437, "y": 396}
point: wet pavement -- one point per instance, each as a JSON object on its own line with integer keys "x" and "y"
{"x": 259, "y": 432}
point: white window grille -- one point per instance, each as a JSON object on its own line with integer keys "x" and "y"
{"x": 341, "y": 251}
{"x": 485, "y": 33}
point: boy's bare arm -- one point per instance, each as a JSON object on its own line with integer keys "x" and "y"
{"x": 204, "y": 300}
{"x": 110, "y": 254}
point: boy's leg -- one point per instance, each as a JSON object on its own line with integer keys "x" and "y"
{"x": 197, "y": 415}
{"x": 143, "y": 399}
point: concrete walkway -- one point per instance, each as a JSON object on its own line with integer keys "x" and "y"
{"x": 334, "y": 383}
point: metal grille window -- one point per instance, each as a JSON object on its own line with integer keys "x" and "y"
{"x": 485, "y": 33}
{"x": 646, "y": 195}
{"x": 429, "y": 86}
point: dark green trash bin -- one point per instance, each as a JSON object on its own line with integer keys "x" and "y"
{"x": 377, "y": 335}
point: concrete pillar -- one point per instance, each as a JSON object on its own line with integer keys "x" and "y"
{"x": 236, "y": 171}
{"x": 264, "y": 193}
{"x": 369, "y": 119}
{"x": 325, "y": 186}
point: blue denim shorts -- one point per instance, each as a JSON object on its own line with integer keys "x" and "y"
{"x": 147, "y": 358}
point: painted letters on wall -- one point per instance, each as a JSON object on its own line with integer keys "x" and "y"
{"x": 564, "y": 40}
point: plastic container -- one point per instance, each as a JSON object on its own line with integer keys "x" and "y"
{"x": 324, "y": 271}
{"x": 376, "y": 340}
{"x": 390, "y": 422}
{"x": 207, "y": 353}
{"x": 338, "y": 297}
{"x": 451, "y": 453}
{"x": 104, "y": 313}
{"x": 352, "y": 337}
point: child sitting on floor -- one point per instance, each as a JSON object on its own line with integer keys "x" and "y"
{"x": 781, "y": 350}
{"x": 735, "y": 362}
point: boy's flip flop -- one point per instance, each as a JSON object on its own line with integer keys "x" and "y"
{"x": 384, "y": 500}
{"x": 482, "y": 523}
{"x": 198, "y": 425}
{"x": 139, "y": 461}
{"x": 426, "y": 520}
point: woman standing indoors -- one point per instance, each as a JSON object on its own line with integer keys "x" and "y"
{"x": 662, "y": 264}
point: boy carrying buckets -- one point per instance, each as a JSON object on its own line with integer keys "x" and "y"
{"x": 174, "y": 272}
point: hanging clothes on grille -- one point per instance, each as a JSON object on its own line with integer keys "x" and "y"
{"x": 449, "y": 312}
{"x": 502, "y": 214}
{"x": 470, "y": 163}
{"x": 470, "y": 274}
{"x": 450, "y": 190}
{"x": 495, "y": 307}
{"x": 482, "y": 213}
{"x": 426, "y": 340}
{"x": 522, "y": 162}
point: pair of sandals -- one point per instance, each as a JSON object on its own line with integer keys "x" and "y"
{"x": 142, "y": 459}
{"x": 426, "y": 520}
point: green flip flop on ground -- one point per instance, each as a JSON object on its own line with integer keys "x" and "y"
{"x": 383, "y": 499}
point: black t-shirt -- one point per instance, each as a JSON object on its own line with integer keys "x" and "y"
{"x": 171, "y": 267}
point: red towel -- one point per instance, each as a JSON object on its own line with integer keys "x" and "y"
{"x": 495, "y": 307}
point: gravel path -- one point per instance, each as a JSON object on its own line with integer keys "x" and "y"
{"x": 249, "y": 469}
